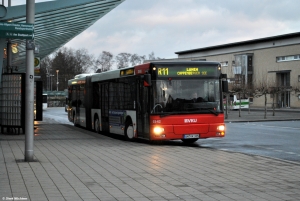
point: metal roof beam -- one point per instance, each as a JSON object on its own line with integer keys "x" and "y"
{"x": 57, "y": 22}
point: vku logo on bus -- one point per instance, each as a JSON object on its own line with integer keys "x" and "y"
{"x": 190, "y": 120}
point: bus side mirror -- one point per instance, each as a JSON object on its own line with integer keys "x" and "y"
{"x": 224, "y": 86}
{"x": 147, "y": 80}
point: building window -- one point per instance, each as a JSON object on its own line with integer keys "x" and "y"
{"x": 298, "y": 78}
{"x": 288, "y": 58}
{"x": 239, "y": 79}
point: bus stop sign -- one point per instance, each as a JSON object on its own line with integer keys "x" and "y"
{"x": 16, "y": 30}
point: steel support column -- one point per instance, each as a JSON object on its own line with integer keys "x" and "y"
{"x": 29, "y": 87}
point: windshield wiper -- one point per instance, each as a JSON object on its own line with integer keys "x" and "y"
{"x": 169, "y": 113}
{"x": 208, "y": 109}
{"x": 190, "y": 110}
{"x": 213, "y": 111}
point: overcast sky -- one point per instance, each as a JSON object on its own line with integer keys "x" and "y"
{"x": 168, "y": 26}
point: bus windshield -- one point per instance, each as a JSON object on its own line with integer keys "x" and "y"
{"x": 186, "y": 96}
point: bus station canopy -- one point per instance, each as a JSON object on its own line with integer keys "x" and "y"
{"x": 56, "y": 23}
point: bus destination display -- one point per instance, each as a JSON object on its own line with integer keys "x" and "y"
{"x": 186, "y": 71}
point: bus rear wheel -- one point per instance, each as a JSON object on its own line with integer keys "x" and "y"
{"x": 129, "y": 131}
{"x": 189, "y": 140}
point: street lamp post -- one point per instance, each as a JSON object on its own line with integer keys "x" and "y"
{"x": 50, "y": 76}
{"x": 47, "y": 76}
{"x": 57, "y": 80}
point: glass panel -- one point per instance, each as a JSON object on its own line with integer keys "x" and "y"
{"x": 187, "y": 96}
{"x": 11, "y": 100}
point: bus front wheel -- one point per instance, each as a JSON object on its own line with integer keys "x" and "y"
{"x": 189, "y": 140}
{"x": 129, "y": 131}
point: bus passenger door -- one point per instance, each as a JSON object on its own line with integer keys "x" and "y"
{"x": 104, "y": 105}
{"x": 142, "y": 110}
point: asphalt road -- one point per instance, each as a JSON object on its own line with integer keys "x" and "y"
{"x": 277, "y": 139}
{"x": 56, "y": 115}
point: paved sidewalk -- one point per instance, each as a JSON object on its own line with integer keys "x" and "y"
{"x": 76, "y": 164}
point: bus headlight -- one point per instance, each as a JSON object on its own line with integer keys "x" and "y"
{"x": 221, "y": 128}
{"x": 158, "y": 130}
{"x": 220, "y": 131}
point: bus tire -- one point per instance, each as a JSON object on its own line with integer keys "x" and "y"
{"x": 97, "y": 125}
{"x": 129, "y": 131}
{"x": 189, "y": 140}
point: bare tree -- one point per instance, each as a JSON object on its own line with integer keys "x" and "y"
{"x": 262, "y": 89}
{"x": 275, "y": 91}
{"x": 104, "y": 62}
{"x": 70, "y": 63}
{"x": 268, "y": 85}
{"x": 241, "y": 90}
{"x": 151, "y": 56}
{"x": 46, "y": 70}
{"x": 296, "y": 90}
{"x": 83, "y": 60}
{"x": 135, "y": 59}
{"x": 122, "y": 60}
{"x": 143, "y": 58}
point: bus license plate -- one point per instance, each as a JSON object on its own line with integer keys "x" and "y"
{"x": 191, "y": 136}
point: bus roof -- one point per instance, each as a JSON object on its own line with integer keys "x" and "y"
{"x": 78, "y": 80}
{"x": 112, "y": 74}
{"x": 82, "y": 75}
{"x": 186, "y": 62}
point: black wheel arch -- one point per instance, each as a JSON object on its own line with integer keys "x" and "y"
{"x": 128, "y": 121}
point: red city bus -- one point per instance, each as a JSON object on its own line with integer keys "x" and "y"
{"x": 153, "y": 101}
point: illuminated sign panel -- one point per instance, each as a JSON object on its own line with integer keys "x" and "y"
{"x": 129, "y": 71}
{"x": 78, "y": 82}
{"x": 174, "y": 71}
